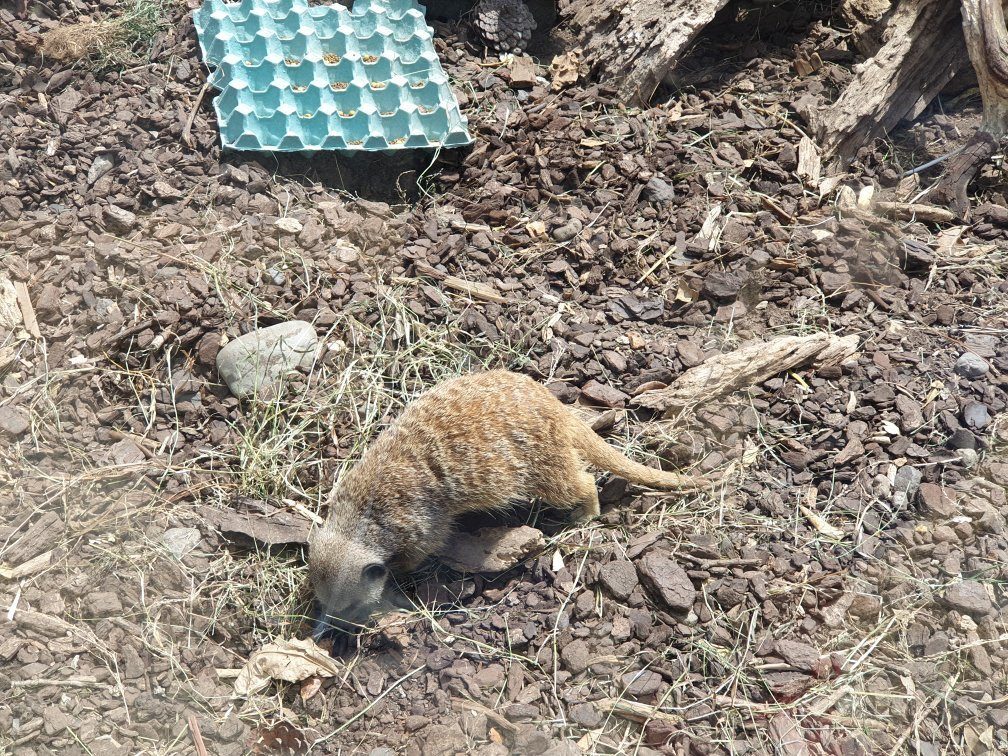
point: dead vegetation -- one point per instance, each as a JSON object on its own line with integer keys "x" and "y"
{"x": 118, "y": 41}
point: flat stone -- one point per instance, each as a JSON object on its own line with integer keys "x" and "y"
{"x": 602, "y": 393}
{"x": 119, "y": 219}
{"x": 962, "y": 439}
{"x": 126, "y": 452}
{"x": 574, "y": 656}
{"x": 55, "y": 721}
{"x": 491, "y": 549}
{"x": 969, "y": 597}
{"x": 935, "y": 501}
{"x": 442, "y": 740}
{"x": 835, "y": 284}
{"x": 643, "y": 682}
{"x": 180, "y": 541}
{"x": 689, "y": 354}
{"x": 567, "y": 748}
{"x": 586, "y": 715}
{"x": 944, "y": 534}
{"x": 727, "y": 313}
{"x": 531, "y": 740}
{"x": 976, "y": 415}
{"x": 658, "y": 190}
{"x": 970, "y": 365}
{"x": 254, "y": 362}
{"x": 102, "y": 604}
{"x": 721, "y": 285}
{"x": 288, "y": 225}
{"x": 13, "y": 420}
{"x": 667, "y": 581}
{"x": 908, "y": 480}
{"x": 619, "y": 578}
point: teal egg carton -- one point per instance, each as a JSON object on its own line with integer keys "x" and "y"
{"x": 295, "y": 77}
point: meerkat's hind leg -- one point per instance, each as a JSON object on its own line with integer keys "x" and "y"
{"x": 586, "y": 495}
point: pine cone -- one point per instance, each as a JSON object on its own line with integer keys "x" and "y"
{"x": 506, "y": 25}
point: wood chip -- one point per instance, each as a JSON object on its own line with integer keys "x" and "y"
{"x": 472, "y": 288}
{"x": 27, "y": 311}
{"x": 746, "y": 366}
{"x": 809, "y": 163}
{"x": 33, "y": 565}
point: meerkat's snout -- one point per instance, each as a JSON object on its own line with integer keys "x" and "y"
{"x": 348, "y": 579}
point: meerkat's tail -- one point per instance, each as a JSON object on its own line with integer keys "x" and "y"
{"x": 597, "y": 452}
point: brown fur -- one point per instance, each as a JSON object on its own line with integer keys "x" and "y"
{"x": 475, "y": 443}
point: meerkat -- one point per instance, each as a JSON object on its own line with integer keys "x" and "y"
{"x": 475, "y": 443}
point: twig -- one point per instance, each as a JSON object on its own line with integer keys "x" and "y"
{"x": 910, "y": 212}
{"x": 187, "y": 129}
{"x": 497, "y": 719}
{"x": 197, "y": 736}
{"x": 27, "y": 311}
{"x": 472, "y": 288}
{"x": 708, "y": 563}
{"x": 639, "y": 712}
{"x": 85, "y": 681}
{"x": 930, "y": 163}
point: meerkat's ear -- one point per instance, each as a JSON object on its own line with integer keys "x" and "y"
{"x": 374, "y": 572}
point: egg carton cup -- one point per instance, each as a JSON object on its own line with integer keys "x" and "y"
{"x": 297, "y": 78}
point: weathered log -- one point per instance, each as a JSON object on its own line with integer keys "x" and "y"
{"x": 922, "y": 51}
{"x": 864, "y": 17}
{"x": 746, "y": 366}
{"x": 633, "y": 45}
{"x": 987, "y": 43}
{"x": 951, "y": 191}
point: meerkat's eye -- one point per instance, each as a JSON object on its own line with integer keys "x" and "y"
{"x": 374, "y": 571}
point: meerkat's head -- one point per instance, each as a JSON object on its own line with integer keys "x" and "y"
{"x": 348, "y": 574}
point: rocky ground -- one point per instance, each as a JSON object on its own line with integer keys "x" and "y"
{"x": 842, "y": 592}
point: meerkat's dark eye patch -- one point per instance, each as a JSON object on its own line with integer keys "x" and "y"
{"x": 374, "y": 571}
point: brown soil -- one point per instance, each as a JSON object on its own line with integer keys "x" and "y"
{"x": 597, "y": 249}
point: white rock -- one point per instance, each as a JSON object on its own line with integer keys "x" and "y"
{"x": 289, "y": 225}
{"x": 254, "y": 362}
{"x": 346, "y": 252}
{"x": 99, "y": 167}
{"x": 119, "y": 219}
{"x": 180, "y": 541}
{"x": 10, "y": 311}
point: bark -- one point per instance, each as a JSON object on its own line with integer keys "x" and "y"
{"x": 951, "y": 191}
{"x": 987, "y": 43}
{"x": 747, "y": 366}
{"x": 633, "y": 44}
{"x": 921, "y": 53}
{"x": 863, "y": 17}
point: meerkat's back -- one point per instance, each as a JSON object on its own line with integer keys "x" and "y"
{"x": 487, "y": 439}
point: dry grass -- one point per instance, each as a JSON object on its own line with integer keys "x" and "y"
{"x": 109, "y": 42}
